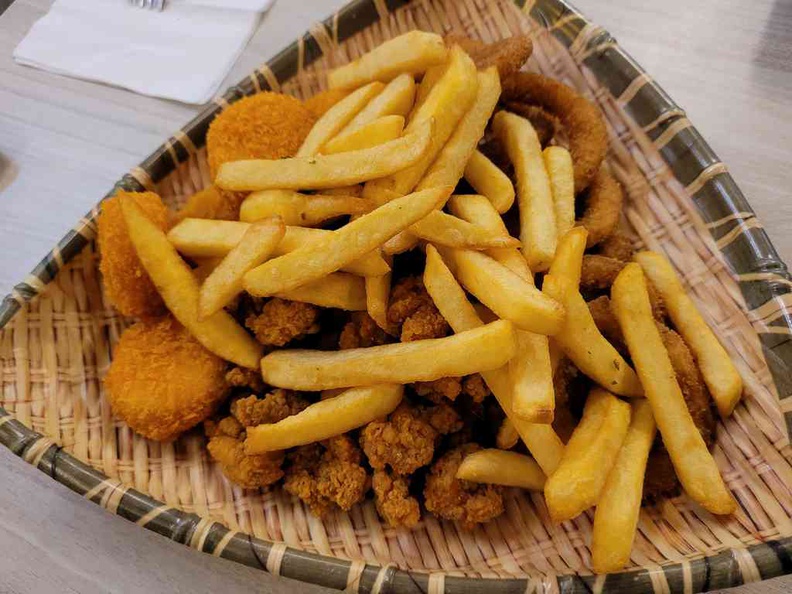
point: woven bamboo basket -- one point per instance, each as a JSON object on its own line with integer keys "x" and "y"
{"x": 60, "y": 331}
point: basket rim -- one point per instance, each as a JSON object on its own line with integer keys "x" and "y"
{"x": 692, "y": 162}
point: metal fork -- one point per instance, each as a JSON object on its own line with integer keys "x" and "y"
{"x": 149, "y": 4}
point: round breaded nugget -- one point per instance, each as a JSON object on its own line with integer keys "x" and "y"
{"x": 264, "y": 126}
{"x": 126, "y": 282}
{"x": 162, "y": 381}
{"x": 324, "y": 100}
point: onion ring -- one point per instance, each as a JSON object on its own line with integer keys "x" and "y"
{"x": 618, "y": 246}
{"x": 603, "y": 207}
{"x": 598, "y": 273}
{"x": 545, "y": 123}
{"x": 507, "y": 54}
{"x": 588, "y": 138}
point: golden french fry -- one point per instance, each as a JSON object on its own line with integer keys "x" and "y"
{"x": 429, "y": 80}
{"x": 335, "y": 118}
{"x": 507, "y": 436}
{"x": 329, "y": 417}
{"x": 499, "y": 467}
{"x": 480, "y": 349}
{"x": 532, "y": 379}
{"x": 376, "y": 132}
{"x": 720, "y": 374}
{"x": 179, "y": 289}
{"x": 508, "y": 295}
{"x": 204, "y": 238}
{"x": 537, "y": 214}
{"x": 377, "y": 299}
{"x": 448, "y": 167}
{"x": 693, "y": 463}
{"x": 583, "y": 343}
{"x": 355, "y": 190}
{"x": 299, "y": 210}
{"x": 480, "y": 211}
{"x": 444, "y": 229}
{"x": 339, "y": 290}
{"x": 396, "y": 99}
{"x": 225, "y": 281}
{"x": 488, "y": 180}
{"x": 619, "y": 505}
{"x": 558, "y": 163}
{"x": 589, "y": 455}
{"x": 328, "y": 171}
{"x": 447, "y": 103}
{"x": 337, "y": 249}
{"x": 541, "y": 440}
{"x": 413, "y": 52}
{"x": 568, "y": 260}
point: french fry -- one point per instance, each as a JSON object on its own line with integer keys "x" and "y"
{"x": 376, "y": 132}
{"x": 429, "y": 80}
{"x": 583, "y": 343}
{"x": 355, "y": 190}
{"x": 480, "y": 349}
{"x": 335, "y": 118}
{"x": 225, "y": 281}
{"x": 446, "y": 104}
{"x": 619, "y": 505}
{"x": 329, "y": 417}
{"x": 299, "y": 210}
{"x": 444, "y": 229}
{"x": 488, "y": 180}
{"x": 413, "y": 52}
{"x": 508, "y": 295}
{"x": 589, "y": 455}
{"x": 377, "y": 299}
{"x": 558, "y": 163}
{"x": 533, "y": 397}
{"x": 328, "y": 171}
{"x": 537, "y": 214}
{"x": 396, "y": 99}
{"x": 720, "y": 374}
{"x": 204, "y": 238}
{"x": 179, "y": 289}
{"x": 448, "y": 167}
{"x": 541, "y": 440}
{"x": 339, "y": 290}
{"x": 337, "y": 249}
{"x": 693, "y": 463}
{"x": 499, "y": 467}
{"x": 507, "y": 436}
{"x": 568, "y": 260}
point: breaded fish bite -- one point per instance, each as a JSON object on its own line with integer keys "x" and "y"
{"x": 126, "y": 282}
{"x": 162, "y": 381}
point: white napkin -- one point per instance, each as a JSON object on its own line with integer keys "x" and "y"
{"x": 181, "y": 53}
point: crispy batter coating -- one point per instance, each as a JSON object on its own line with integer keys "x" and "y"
{"x": 282, "y": 321}
{"x": 508, "y": 55}
{"x": 545, "y": 123}
{"x": 212, "y": 203}
{"x": 162, "y": 381}
{"x": 443, "y": 418}
{"x": 617, "y": 246}
{"x": 242, "y": 377}
{"x": 607, "y": 323}
{"x": 475, "y": 387}
{"x": 598, "y": 273}
{"x": 327, "y": 474}
{"x": 361, "y": 331}
{"x": 264, "y": 126}
{"x": 242, "y": 469}
{"x": 440, "y": 389}
{"x": 324, "y": 100}
{"x": 582, "y": 121}
{"x": 564, "y": 422}
{"x": 603, "y": 199}
{"x": 405, "y": 442}
{"x": 126, "y": 282}
{"x": 393, "y": 500}
{"x": 454, "y": 499}
{"x": 425, "y": 323}
{"x": 412, "y": 309}
{"x": 274, "y": 407}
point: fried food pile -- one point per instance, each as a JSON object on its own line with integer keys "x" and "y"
{"x": 415, "y": 287}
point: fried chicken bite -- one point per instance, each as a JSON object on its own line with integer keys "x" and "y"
{"x": 227, "y": 438}
{"x": 242, "y": 377}
{"x": 361, "y": 331}
{"x": 126, "y": 282}
{"x": 453, "y": 499}
{"x": 405, "y": 442}
{"x": 412, "y": 310}
{"x": 282, "y": 321}
{"x": 263, "y": 126}
{"x": 162, "y": 381}
{"x": 440, "y": 389}
{"x": 475, "y": 387}
{"x": 393, "y": 500}
{"x": 327, "y": 475}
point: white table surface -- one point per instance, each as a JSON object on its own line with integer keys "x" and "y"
{"x": 64, "y": 142}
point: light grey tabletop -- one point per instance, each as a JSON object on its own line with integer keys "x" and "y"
{"x": 64, "y": 142}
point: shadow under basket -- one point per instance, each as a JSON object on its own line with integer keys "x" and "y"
{"x": 59, "y": 334}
